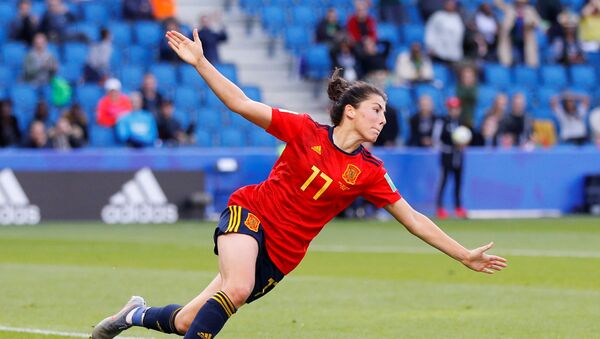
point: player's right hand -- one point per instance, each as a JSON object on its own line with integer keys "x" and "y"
{"x": 188, "y": 50}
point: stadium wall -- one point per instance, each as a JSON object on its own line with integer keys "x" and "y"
{"x": 494, "y": 179}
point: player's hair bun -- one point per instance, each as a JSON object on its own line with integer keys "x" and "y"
{"x": 337, "y": 85}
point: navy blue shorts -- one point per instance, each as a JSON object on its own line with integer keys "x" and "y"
{"x": 236, "y": 219}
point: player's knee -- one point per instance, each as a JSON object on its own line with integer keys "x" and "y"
{"x": 238, "y": 292}
{"x": 183, "y": 320}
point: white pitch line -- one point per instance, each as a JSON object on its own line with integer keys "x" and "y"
{"x": 426, "y": 250}
{"x": 48, "y": 332}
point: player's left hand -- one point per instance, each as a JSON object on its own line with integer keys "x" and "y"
{"x": 479, "y": 261}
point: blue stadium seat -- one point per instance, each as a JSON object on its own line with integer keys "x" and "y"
{"x": 24, "y": 99}
{"x": 544, "y": 94}
{"x": 166, "y": 76}
{"x": 95, "y": 13}
{"x": 38, "y": 8}
{"x": 102, "y": 137}
{"x": 75, "y": 52}
{"x": 184, "y": 118}
{"x": 209, "y": 119}
{"x": 148, "y": 33}
{"x": 486, "y": 96}
{"x": 296, "y": 39}
{"x": 71, "y": 71}
{"x": 232, "y": 137}
{"x": 204, "y": 137}
{"x": 189, "y": 77}
{"x": 213, "y": 101}
{"x": 304, "y": 16}
{"x": 13, "y": 55}
{"x": 388, "y": 32}
{"x": 413, "y": 33}
{"x": 131, "y": 77}
{"x": 554, "y": 76}
{"x": 7, "y": 77}
{"x": 273, "y": 19}
{"x": 7, "y": 13}
{"x": 89, "y": 30}
{"x": 526, "y": 76}
{"x": 228, "y": 70}
{"x": 260, "y": 138}
{"x": 186, "y": 99}
{"x": 252, "y": 92}
{"x": 121, "y": 33}
{"x": 138, "y": 55}
{"x": 583, "y": 76}
{"x": 442, "y": 74}
{"x": 88, "y": 96}
{"x": 400, "y": 98}
{"x": 252, "y": 7}
{"x": 318, "y": 62}
{"x": 497, "y": 75}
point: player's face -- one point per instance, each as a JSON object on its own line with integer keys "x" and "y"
{"x": 370, "y": 117}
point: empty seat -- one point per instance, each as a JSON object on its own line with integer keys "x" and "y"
{"x": 121, "y": 33}
{"x": 318, "y": 62}
{"x": 296, "y": 39}
{"x": 526, "y": 76}
{"x": 583, "y": 76}
{"x": 88, "y": 96}
{"x": 413, "y": 33}
{"x": 304, "y": 16}
{"x": 147, "y": 33}
{"x": 131, "y": 77}
{"x": 95, "y": 13}
{"x": 497, "y": 75}
{"x": 13, "y": 54}
{"x": 102, "y": 137}
{"x": 186, "y": 99}
{"x": 232, "y": 137}
{"x": 74, "y": 52}
{"x": 229, "y": 71}
{"x": 554, "y": 76}
{"x": 273, "y": 19}
{"x": 252, "y": 92}
{"x": 399, "y": 98}
{"x": 165, "y": 74}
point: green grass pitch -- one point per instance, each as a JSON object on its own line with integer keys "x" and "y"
{"x": 359, "y": 280}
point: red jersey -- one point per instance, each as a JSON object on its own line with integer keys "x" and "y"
{"x": 311, "y": 182}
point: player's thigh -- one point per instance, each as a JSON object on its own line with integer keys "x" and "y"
{"x": 237, "y": 265}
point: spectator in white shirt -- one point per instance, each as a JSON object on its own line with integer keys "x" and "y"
{"x": 571, "y": 111}
{"x": 444, "y": 34}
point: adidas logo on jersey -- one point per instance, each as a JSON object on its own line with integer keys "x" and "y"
{"x": 140, "y": 200}
{"x": 14, "y": 204}
{"x": 316, "y": 149}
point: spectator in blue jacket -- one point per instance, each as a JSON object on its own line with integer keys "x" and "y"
{"x": 56, "y": 20}
{"x": 211, "y": 39}
{"x": 138, "y": 128}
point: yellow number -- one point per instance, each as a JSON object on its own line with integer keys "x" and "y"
{"x": 317, "y": 171}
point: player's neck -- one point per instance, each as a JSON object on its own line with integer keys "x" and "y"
{"x": 346, "y": 139}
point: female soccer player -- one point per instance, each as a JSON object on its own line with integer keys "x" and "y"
{"x": 266, "y": 229}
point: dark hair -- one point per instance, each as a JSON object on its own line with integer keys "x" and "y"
{"x": 343, "y": 93}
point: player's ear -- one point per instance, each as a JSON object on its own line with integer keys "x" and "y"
{"x": 349, "y": 111}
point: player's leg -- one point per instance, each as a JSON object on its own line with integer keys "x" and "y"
{"x": 441, "y": 212}
{"x": 237, "y": 264}
{"x": 184, "y": 318}
{"x": 459, "y": 210}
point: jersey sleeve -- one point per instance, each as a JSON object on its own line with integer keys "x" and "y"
{"x": 286, "y": 125}
{"x": 382, "y": 191}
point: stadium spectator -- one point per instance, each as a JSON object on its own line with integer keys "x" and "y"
{"x": 97, "y": 67}
{"x": 373, "y": 61}
{"x": 344, "y": 56}
{"x": 137, "y": 10}
{"x": 24, "y": 26}
{"x": 413, "y": 66}
{"x": 64, "y": 137}
{"x": 38, "y": 136}
{"x": 165, "y": 52}
{"x": 548, "y": 11}
{"x": 78, "y": 120}
{"x": 391, "y": 11}
{"x": 390, "y": 131}
{"x": 329, "y": 30}
{"x": 42, "y": 113}
{"x": 515, "y": 128}
{"x": 421, "y": 124}
{"x": 487, "y": 24}
{"x": 113, "y": 105}
{"x": 567, "y": 47}
{"x": 56, "y": 20}
{"x": 428, "y": 7}
{"x": 284, "y": 216}
{"x": 10, "y": 134}
{"x": 590, "y": 25}
{"x": 595, "y": 125}
{"x": 361, "y": 25}
{"x": 517, "y": 41}
{"x": 212, "y": 37}
{"x": 452, "y": 158}
{"x": 40, "y": 65}
{"x": 138, "y": 128}
{"x": 170, "y": 131}
{"x": 163, "y": 9}
{"x": 467, "y": 91}
{"x": 490, "y": 125}
{"x": 474, "y": 44}
{"x": 444, "y": 33}
{"x": 571, "y": 110}
{"x": 152, "y": 99}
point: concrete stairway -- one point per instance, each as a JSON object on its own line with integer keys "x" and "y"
{"x": 261, "y": 61}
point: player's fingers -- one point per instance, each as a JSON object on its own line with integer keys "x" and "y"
{"x": 497, "y": 258}
{"x": 179, "y": 36}
{"x": 195, "y": 34}
{"x": 487, "y": 270}
{"x": 496, "y": 267}
{"x": 173, "y": 46}
{"x": 499, "y": 263}
{"x": 486, "y": 247}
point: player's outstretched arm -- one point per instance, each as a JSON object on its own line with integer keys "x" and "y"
{"x": 421, "y": 226}
{"x": 231, "y": 95}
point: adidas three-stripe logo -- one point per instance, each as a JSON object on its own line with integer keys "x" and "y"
{"x": 140, "y": 200}
{"x": 14, "y": 204}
